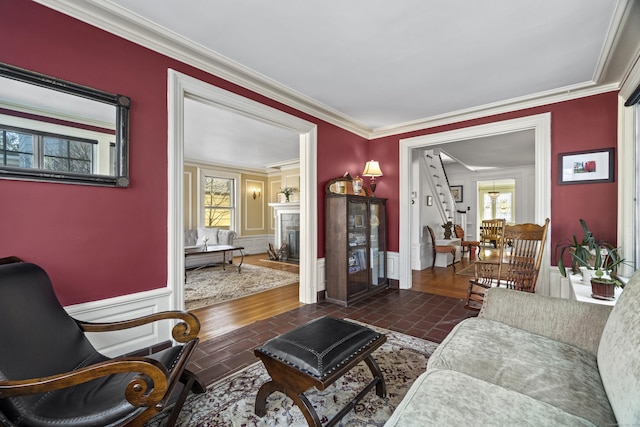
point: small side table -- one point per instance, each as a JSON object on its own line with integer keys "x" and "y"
{"x": 316, "y": 355}
{"x": 445, "y": 260}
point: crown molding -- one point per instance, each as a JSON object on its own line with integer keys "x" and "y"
{"x": 614, "y": 33}
{"x": 122, "y": 23}
{"x": 567, "y": 93}
{"x": 228, "y": 167}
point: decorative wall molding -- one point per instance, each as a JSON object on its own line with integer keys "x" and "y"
{"x": 122, "y": 23}
{"x": 252, "y": 185}
{"x": 140, "y": 304}
{"x": 561, "y": 95}
{"x": 254, "y": 244}
{"x": 393, "y": 265}
{"x": 122, "y": 308}
{"x": 118, "y": 21}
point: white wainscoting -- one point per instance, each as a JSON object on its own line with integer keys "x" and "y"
{"x": 321, "y": 276}
{"x": 141, "y": 304}
{"x": 421, "y": 256}
{"x": 254, "y": 244}
{"x": 393, "y": 265}
{"x": 123, "y": 308}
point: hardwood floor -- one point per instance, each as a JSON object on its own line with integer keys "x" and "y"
{"x": 231, "y": 315}
{"x": 228, "y": 316}
{"x": 230, "y": 331}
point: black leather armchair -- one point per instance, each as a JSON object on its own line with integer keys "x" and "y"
{"x": 51, "y": 375}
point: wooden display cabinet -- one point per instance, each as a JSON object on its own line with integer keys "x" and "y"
{"x": 355, "y": 247}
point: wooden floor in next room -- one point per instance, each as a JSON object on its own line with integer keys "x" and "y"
{"x": 231, "y": 330}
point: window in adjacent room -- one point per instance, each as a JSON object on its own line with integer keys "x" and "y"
{"x": 502, "y": 204}
{"x": 218, "y": 198}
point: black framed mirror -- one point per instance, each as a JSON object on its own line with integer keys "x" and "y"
{"x": 55, "y": 130}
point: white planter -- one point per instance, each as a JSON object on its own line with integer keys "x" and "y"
{"x": 588, "y": 273}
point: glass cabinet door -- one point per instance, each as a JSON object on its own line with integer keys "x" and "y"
{"x": 358, "y": 263}
{"x": 378, "y": 244}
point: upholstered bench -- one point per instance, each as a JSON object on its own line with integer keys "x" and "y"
{"x": 316, "y": 355}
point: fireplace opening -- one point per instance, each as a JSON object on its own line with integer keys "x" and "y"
{"x": 293, "y": 243}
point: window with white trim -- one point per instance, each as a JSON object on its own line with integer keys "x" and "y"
{"x": 218, "y": 199}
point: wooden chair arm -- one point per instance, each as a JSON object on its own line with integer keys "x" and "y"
{"x": 182, "y": 332}
{"x": 137, "y": 392}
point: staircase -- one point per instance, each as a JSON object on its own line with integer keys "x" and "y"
{"x": 436, "y": 179}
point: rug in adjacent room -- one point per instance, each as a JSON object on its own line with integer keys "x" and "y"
{"x": 230, "y": 401}
{"x": 213, "y": 285}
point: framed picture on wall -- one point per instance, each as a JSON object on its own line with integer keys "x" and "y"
{"x": 456, "y": 192}
{"x": 586, "y": 167}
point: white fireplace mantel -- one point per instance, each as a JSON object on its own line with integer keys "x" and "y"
{"x": 280, "y": 209}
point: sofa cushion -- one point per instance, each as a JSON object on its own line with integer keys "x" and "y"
{"x": 210, "y": 233}
{"x": 547, "y": 370}
{"x": 450, "y": 398}
{"x": 619, "y": 355}
{"x": 190, "y": 238}
{"x": 225, "y": 237}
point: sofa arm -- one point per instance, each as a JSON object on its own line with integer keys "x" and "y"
{"x": 576, "y": 323}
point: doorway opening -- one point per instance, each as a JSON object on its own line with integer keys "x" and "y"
{"x": 540, "y": 124}
{"x": 181, "y": 86}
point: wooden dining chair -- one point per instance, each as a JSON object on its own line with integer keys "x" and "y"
{"x": 517, "y": 266}
{"x": 468, "y": 244}
{"x": 491, "y": 231}
{"x": 441, "y": 249}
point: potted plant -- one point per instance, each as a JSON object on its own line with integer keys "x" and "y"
{"x": 603, "y": 286}
{"x": 603, "y": 279}
{"x": 447, "y": 230}
{"x": 287, "y": 191}
{"x": 582, "y": 251}
{"x": 588, "y": 255}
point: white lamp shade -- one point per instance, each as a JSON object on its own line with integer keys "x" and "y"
{"x": 372, "y": 168}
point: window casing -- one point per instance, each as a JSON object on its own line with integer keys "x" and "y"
{"x": 218, "y": 199}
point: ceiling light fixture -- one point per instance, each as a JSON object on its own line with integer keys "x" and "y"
{"x": 494, "y": 194}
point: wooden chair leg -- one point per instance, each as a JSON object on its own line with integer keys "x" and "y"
{"x": 453, "y": 262}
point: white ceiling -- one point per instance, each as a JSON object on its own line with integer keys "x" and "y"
{"x": 214, "y": 135}
{"x": 377, "y": 66}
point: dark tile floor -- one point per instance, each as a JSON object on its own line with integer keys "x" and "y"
{"x": 419, "y": 314}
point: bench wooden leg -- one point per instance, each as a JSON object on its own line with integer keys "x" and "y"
{"x": 299, "y": 399}
{"x": 381, "y": 386}
{"x": 261, "y": 398}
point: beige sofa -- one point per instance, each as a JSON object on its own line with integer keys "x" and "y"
{"x": 215, "y": 236}
{"x": 530, "y": 360}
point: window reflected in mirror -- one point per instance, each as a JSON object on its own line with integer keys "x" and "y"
{"x": 54, "y": 130}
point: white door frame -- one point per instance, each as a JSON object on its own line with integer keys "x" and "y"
{"x": 540, "y": 123}
{"x": 181, "y": 85}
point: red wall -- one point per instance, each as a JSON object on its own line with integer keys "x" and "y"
{"x": 581, "y": 124}
{"x": 102, "y": 242}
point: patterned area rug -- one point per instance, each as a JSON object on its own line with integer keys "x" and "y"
{"x": 214, "y": 285}
{"x": 230, "y": 401}
{"x": 469, "y": 270}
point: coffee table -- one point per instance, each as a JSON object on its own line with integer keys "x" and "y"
{"x": 211, "y": 249}
{"x": 316, "y": 355}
